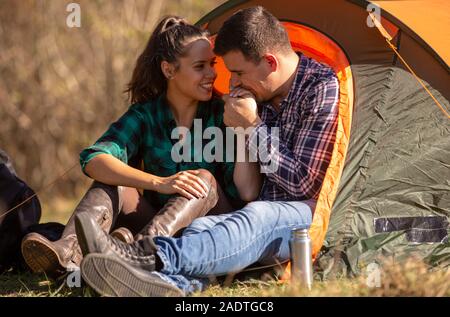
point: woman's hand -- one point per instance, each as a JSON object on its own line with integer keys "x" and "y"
{"x": 185, "y": 183}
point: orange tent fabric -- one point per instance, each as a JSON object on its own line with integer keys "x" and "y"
{"x": 437, "y": 17}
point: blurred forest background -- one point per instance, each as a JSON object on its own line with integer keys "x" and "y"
{"x": 61, "y": 87}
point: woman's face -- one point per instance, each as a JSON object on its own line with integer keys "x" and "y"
{"x": 195, "y": 75}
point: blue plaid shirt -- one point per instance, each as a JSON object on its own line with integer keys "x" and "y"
{"x": 307, "y": 123}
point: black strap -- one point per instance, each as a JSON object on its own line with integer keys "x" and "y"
{"x": 428, "y": 229}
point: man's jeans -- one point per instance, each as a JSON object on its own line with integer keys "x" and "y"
{"x": 218, "y": 245}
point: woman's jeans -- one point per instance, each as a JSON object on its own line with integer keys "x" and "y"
{"x": 218, "y": 245}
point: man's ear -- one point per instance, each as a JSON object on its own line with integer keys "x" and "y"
{"x": 168, "y": 69}
{"x": 271, "y": 61}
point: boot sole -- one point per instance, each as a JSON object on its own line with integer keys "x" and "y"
{"x": 110, "y": 276}
{"x": 41, "y": 257}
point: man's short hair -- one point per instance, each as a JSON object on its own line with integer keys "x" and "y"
{"x": 253, "y": 31}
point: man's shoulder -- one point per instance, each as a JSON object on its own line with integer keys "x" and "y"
{"x": 313, "y": 78}
{"x": 316, "y": 70}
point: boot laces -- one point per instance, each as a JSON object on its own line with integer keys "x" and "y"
{"x": 135, "y": 251}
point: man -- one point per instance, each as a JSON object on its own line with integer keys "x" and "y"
{"x": 298, "y": 96}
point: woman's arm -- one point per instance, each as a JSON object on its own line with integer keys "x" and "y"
{"x": 107, "y": 169}
{"x": 107, "y": 160}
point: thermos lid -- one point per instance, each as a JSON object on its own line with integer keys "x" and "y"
{"x": 300, "y": 232}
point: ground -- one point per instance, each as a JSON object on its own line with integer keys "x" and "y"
{"x": 412, "y": 278}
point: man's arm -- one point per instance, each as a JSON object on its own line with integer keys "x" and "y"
{"x": 247, "y": 178}
{"x": 246, "y": 174}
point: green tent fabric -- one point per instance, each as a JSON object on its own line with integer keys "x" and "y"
{"x": 398, "y": 165}
{"x": 393, "y": 198}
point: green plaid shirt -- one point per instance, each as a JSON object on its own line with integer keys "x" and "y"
{"x": 143, "y": 134}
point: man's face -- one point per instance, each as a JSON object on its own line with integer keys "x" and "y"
{"x": 248, "y": 75}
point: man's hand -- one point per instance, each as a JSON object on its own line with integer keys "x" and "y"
{"x": 240, "y": 109}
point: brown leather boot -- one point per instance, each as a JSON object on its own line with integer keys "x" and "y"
{"x": 102, "y": 202}
{"x": 179, "y": 211}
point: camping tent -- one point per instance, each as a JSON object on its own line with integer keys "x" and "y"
{"x": 387, "y": 190}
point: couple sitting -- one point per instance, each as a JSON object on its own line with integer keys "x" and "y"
{"x": 148, "y": 254}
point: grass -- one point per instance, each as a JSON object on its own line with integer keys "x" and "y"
{"x": 411, "y": 278}
{"x": 25, "y": 284}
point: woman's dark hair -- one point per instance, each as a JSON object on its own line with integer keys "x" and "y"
{"x": 167, "y": 43}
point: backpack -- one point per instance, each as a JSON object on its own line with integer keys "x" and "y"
{"x": 15, "y": 224}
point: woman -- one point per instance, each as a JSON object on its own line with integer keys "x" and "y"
{"x": 172, "y": 84}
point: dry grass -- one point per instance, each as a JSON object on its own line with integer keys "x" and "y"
{"x": 411, "y": 278}
{"x": 36, "y": 285}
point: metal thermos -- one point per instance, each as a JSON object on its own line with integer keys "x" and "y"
{"x": 301, "y": 258}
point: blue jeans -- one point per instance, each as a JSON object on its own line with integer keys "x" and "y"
{"x": 218, "y": 245}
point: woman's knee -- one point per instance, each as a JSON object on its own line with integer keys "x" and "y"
{"x": 212, "y": 194}
{"x": 207, "y": 176}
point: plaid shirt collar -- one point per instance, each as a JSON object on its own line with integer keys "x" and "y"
{"x": 167, "y": 118}
{"x": 299, "y": 73}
